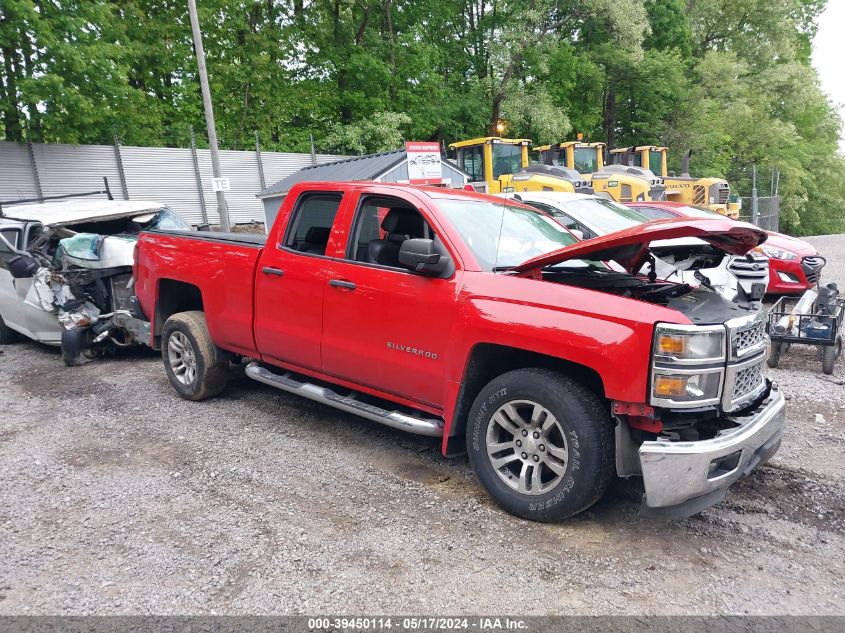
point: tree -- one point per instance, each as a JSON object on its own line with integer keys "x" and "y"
{"x": 379, "y": 133}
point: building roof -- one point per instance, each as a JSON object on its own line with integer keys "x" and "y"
{"x": 366, "y": 167}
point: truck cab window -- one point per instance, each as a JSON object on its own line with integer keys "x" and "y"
{"x": 311, "y": 224}
{"x": 381, "y": 225}
{"x": 472, "y": 162}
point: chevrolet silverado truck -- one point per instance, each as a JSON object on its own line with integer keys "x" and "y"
{"x": 486, "y": 323}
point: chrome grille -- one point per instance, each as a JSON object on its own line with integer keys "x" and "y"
{"x": 748, "y": 381}
{"x": 749, "y": 336}
{"x": 755, "y": 270}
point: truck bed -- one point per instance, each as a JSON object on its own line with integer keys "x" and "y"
{"x": 247, "y": 239}
{"x": 220, "y": 265}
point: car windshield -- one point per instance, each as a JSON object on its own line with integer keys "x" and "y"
{"x": 700, "y": 212}
{"x": 603, "y": 216}
{"x": 501, "y": 235}
{"x": 167, "y": 220}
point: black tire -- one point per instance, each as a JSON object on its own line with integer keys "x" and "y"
{"x": 210, "y": 373}
{"x": 829, "y": 355}
{"x": 584, "y": 424}
{"x": 76, "y": 347}
{"x": 7, "y": 334}
{"x": 774, "y": 355}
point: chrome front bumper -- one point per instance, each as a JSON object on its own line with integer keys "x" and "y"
{"x": 694, "y": 475}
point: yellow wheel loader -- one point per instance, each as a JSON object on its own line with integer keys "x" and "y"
{"x": 497, "y": 165}
{"x": 712, "y": 193}
{"x": 622, "y": 183}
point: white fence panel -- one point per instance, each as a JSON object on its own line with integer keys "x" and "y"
{"x": 241, "y": 168}
{"x": 64, "y": 169}
{"x": 16, "y": 179}
{"x": 163, "y": 174}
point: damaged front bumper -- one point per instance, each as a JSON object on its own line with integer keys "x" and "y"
{"x": 684, "y": 478}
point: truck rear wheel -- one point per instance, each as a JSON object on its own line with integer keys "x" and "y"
{"x": 541, "y": 443}
{"x": 190, "y": 357}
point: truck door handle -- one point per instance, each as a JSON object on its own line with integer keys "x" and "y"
{"x": 341, "y": 283}
{"x": 272, "y": 271}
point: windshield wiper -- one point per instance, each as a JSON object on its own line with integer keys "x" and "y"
{"x": 499, "y": 269}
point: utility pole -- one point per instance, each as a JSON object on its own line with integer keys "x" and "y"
{"x": 222, "y": 209}
{"x": 755, "y": 213}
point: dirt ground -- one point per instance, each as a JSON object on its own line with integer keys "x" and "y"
{"x": 118, "y": 497}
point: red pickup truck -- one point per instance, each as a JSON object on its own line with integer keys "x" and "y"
{"x": 485, "y": 322}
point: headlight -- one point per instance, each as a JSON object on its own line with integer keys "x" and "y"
{"x": 673, "y": 343}
{"x": 687, "y": 388}
{"x": 688, "y": 365}
{"x": 777, "y": 253}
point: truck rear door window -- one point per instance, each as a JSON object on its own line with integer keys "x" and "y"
{"x": 311, "y": 224}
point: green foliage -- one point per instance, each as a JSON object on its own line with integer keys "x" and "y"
{"x": 378, "y": 133}
{"x": 730, "y": 80}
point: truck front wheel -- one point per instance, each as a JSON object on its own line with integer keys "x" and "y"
{"x": 541, "y": 443}
{"x": 190, "y": 357}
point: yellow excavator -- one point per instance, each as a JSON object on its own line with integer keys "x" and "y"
{"x": 497, "y": 165}
{"x": 623, "y": 183}
{"x": 713, "y": 193}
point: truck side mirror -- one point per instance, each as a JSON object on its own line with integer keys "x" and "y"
{"x": 420, "y": 256}
{"x": 22, "y": 266}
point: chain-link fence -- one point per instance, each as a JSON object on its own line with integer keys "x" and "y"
{"x": 767, "y": 214}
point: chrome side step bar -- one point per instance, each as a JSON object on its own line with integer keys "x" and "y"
{"x": 432, "y": 427}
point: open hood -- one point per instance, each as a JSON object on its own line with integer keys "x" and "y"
{"x": 630, "y": 248}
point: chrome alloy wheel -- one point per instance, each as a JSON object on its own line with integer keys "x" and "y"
{"x": 527, "y": 447}
{"x": 182, "y": 358}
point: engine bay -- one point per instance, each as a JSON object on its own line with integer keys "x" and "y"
{"x": 700, "y": 303}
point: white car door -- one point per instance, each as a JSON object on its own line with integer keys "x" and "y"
{"x": 9, "y": 302}
{"x": 20, "y": 316}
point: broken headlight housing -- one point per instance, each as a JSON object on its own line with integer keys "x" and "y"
{"x": 688, "y": 365}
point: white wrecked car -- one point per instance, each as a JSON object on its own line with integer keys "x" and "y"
{"x": 66, "y": 271}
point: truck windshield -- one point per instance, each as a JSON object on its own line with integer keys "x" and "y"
{"x": 501, "y": 235}
{"x": 507, "y": 159}
{"x": 586, "y": 159}
{"x": 655, "y": 161}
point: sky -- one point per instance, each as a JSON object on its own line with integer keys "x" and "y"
{"x": 829, "y": 56}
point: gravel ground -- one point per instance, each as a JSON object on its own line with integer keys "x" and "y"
{"x": 118, "y": 497}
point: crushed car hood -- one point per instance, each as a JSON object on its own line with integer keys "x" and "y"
{"x": 630, "y": 248}
{"x": 66, "y": 212}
